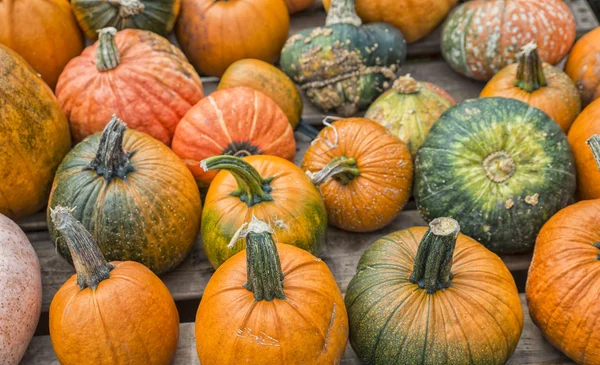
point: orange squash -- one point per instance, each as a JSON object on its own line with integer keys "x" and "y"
{"x": 583, "y": 65}
{"x": 295, "y": 6}
{"x": 271, "y": 304}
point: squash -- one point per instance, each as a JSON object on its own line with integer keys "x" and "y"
{"x": 415, "y": 19}
{"x": 136, "y": 74}
{"x": 433, "y": 296}
{"x": 538, "y": 84}
{"x": 364, "y": 173}
{"x": 20, "y": 292}
{"x": 109, "y": 313}
{"x": 344, "y": 66}
{"x": 133, "y": 194}
{"x": 215, "y": 34}
{"x": 34, "y": 135}
{"x": 409, "y": 109}
{"x": 499, "y": 167}
{"x": 157, "y": 16}
{"x": 582, "y": 65}
{"x": 239, "y": 121}
{"x": 43, "y": 32}
{"x": 269, "y": 188}
{"x": 481, "y": 37}
{"x": 295, "y": 6}
{"x": 281, "y": 303}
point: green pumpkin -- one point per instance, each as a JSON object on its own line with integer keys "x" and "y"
{"x": 497, "y": 166}
{"x": 344, "y": 65}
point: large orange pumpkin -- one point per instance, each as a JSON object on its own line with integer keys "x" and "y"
{"x": 135, "y": 74}
{"x": 583, "y": 65}
{"x": 271, "y": 304}
{"x": 215, "y": 34}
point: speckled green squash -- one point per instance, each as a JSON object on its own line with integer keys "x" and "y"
{"x": 344, "y": 65}
{"x": 499, "y": 167}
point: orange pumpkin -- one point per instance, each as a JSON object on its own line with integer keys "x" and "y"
{"x": 239, "y": 121}
{"x": 135, "y": 74}
{"x": 364, "y": 173}
{"x": 538, "y": 84}
{"x": 295, "y": 6}
{"x": 109, "y": 313}
{"x": 215, "y": 34}
{"x": 271, "y": 304}
{"x": 583, "y": 65}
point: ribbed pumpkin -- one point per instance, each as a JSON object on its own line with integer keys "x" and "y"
{"x": 281, "y": 305}
{"x": 20, "y": 292}
{"x": 433, "y": 296}
{"x": 136, "y": 74}
{"x": 157, "y": 16}
{"x": 499, "y": 167}
{"x": 109, "y": 313}
{"x": 481, "y": 37}
{"x": 34, "y": 135}
{"x": 239, "y": 121}
{"x": 133, "y": 194}
{"x": 43, "y": 32}
{"x": 215, "y": 34}
{"x": 269, "y": 188}
{"x": 409, "y": 109}
{"x": 582, "y": 65}
{"x": 295, "y": 6}
{"x": 364, "y": 173}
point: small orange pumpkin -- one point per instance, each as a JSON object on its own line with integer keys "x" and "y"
{"x": 583, "y": 65}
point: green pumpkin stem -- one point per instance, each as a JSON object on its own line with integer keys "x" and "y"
{"x": 342, "y": 169}
{"x": 90, "y": 265}
{"x": 252, "y": 188}
{"x": 342, "y": 12}
{"x": 433, "y": 264}
{"x": 530, "y": 72}
{"x": 128, "y": 8}
{"x": 111, "y": 160}
{"x": 107, "y": 53}
{"x": 594, "y": 143}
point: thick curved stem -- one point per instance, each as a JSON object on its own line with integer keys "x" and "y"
{"x": 128, "y": 8}
{"x": 342, "y": 12}
{"x": 111, "y": 160}
{"x": 530, "y": 73}
{"x": 594, "y": 143}
{"x": 342, "y": 169}
{"x": 107, "y": 53}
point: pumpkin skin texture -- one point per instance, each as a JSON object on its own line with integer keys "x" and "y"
{"x": 344, "y": 66}
{"x": 212, "y": 44}
{"x": 239, "y": 121}
{"x": 481, "y": 37}
{"x": 281, "y": 194}
{"x": 136, "y": 197}
{"x": 152, "y": 86}
{"x": 34, "y": 134}
{"x": 583, "y": 66}
{"x": 366, "y": 179}
{"x": 475, "y": 317}
{"x": 20, "y": 292}
{"x": 43, "y": 32}
{"x": 493, "y": 164}
{"x": 157, "y": 16}
{"x": 409, "y": 109}
{"x": 295, "y": 6}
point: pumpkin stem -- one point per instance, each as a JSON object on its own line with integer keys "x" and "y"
{"x": 342, "y": 169}
{"x": 594, "y": 143}
{"x": 530, "y": 74}
{"x": 434, "y": 256}
{"x": 128, "y": 8}
{"x": 90, "y": 265}
{"x": 342, "y": 12}
{"x": 107, "y": 53}
{"x": 252, "y": 188}
{"x": 111, "y": 160}
{"x": 406, "y": 85}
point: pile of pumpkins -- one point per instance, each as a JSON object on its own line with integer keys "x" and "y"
{"x": 118, "y": 140}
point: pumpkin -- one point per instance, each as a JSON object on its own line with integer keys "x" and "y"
{"x": 34, "y": 135}
{"x": 20, "y": 292}
{"x": 538, "y": 84}
{"x": 344, "y": 66}
{"x": 409, "y": 109}
{"x": 582, "y": 65}
{"x": 295, "y": 6}
{"x": 239, "y": 121}
{"x": 157, "y": 16}
{"x": 364, "y": 173}
{"x": 499, "y": 167}
{"x": 282, "y": 306}
{"x": 206, "y": 33}
{"x": 136, "y": 74}
{"x": 133, "y": 194}
{"x": 481, "y": 37}
{"x": 109, "y": 313}
{"x": 43, "y": 32}
{"x": 415, "y": 19}
{"x": 433, "y": 296}
{"x": 269, "y": 188}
